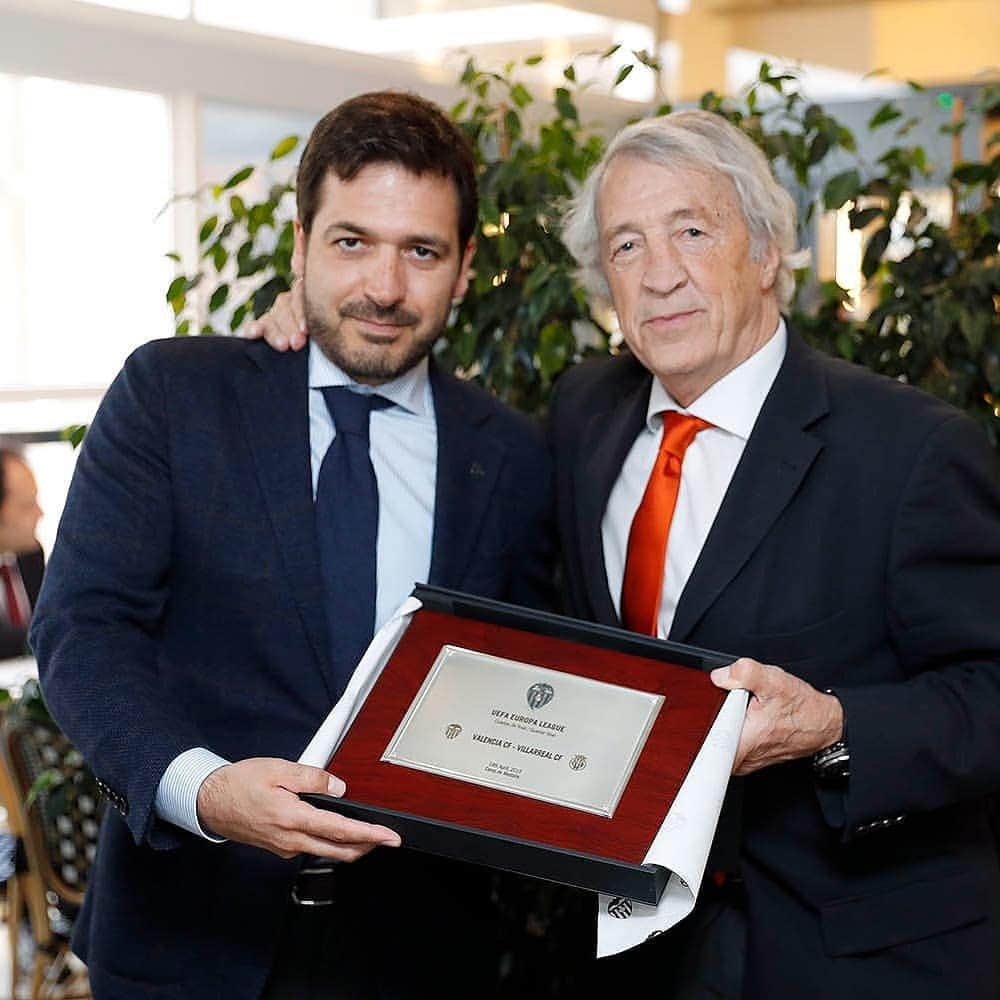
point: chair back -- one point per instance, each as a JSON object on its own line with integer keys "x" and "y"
{"x": 60, "y": 826}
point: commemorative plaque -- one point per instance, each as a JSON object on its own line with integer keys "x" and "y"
{"x": 527, "y": 741}
{"x": 544, "y": 734}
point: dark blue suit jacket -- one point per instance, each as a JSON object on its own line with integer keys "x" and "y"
{"x": 858, "y": 546}
{"x": 183, "y": 607}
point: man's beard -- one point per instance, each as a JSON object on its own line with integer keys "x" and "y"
{"x": 369, "y": 362}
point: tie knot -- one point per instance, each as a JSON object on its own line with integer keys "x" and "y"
{"x": 679, "y": 430}
{"x": 350, "y": 410}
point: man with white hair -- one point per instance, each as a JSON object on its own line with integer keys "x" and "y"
{"x": 724, "y": 485}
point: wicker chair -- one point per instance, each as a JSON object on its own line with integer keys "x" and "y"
{"x": 58, "y": 837}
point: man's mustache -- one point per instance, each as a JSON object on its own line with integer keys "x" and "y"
{"x": 391, "y": 315}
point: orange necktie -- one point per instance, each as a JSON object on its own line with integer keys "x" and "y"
{"x": 647, "y": 539}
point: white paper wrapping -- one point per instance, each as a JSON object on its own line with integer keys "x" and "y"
{"x": 684, "y": 840}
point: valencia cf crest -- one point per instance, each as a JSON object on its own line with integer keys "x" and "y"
{"x": 539, "y": 695}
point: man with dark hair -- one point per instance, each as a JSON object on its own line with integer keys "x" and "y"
{"x": 239, "y": 523}
{"x": 21, "y": 560}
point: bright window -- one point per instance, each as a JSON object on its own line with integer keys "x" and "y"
{"x": 84, "y": 173}
{"x": 82, "y": 266}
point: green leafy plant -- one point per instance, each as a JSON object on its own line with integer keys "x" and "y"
{"x": 245, "y": 249}
{"x": 525, "y": 318}
{"x": 936, "y": 321}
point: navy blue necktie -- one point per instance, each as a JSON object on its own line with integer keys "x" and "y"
{"x": 347, "y": 529}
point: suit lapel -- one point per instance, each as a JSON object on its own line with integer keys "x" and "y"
{"x": 468, "y": 464}
{"x": 273, "y": 396}
{"x": 609, "y": 436}
{"x": 777, "y": 457}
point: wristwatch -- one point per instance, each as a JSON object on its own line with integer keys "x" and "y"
{"x": 833, "y": 763}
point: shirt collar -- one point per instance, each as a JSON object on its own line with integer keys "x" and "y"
{"x": 409, "y": 390}
{"x": 734, "y": 402}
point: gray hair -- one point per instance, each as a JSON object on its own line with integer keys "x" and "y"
{"x": 690, "y": 140}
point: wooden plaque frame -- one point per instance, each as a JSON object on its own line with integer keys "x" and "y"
{"x": 458, "y": 819}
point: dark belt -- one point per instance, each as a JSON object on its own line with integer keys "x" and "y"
{"x": 316, "y": 883}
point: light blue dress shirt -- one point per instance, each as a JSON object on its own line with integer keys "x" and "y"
{"x": 404, "y": 455}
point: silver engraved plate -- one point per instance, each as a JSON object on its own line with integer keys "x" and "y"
{"x": 524, "y": 729}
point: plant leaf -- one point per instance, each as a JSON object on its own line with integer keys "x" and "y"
{"x": 75, "y": 434}
{"x": 841, "y": 188}
{"x": 176, "y": 287}
{"x": 236, "y": 320}
{"x": 887, "y": 113}
{"x": 45, "y": 782}
{"x": 863, "y": 217}
{"x": 218, "y": 299}
{"x": 284, "y": 147}
{"x": 819, "y": 148}
{"x": 873, "y": 252}
{"x": 623, "y": 74}
{"x": 512, "y": 124}
{"x": 520, "y": 95}
{"x": 238, "y": 178}
{"x": 207, "y": 228}
{"x": 565, "y": 105}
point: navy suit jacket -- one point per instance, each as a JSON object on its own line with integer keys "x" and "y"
{"x": 183, "y": 607}
{"x": 14, "y": 638}
{"x": 858, "y": 546}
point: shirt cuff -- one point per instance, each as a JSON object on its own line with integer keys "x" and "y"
{"x": 177, "y": 793}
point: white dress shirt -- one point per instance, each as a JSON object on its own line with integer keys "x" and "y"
{"x": 731, "y": 406}
{"x": 403, "y": 449}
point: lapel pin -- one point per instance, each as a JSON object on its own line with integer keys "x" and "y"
{"x": 476, "y": 470}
